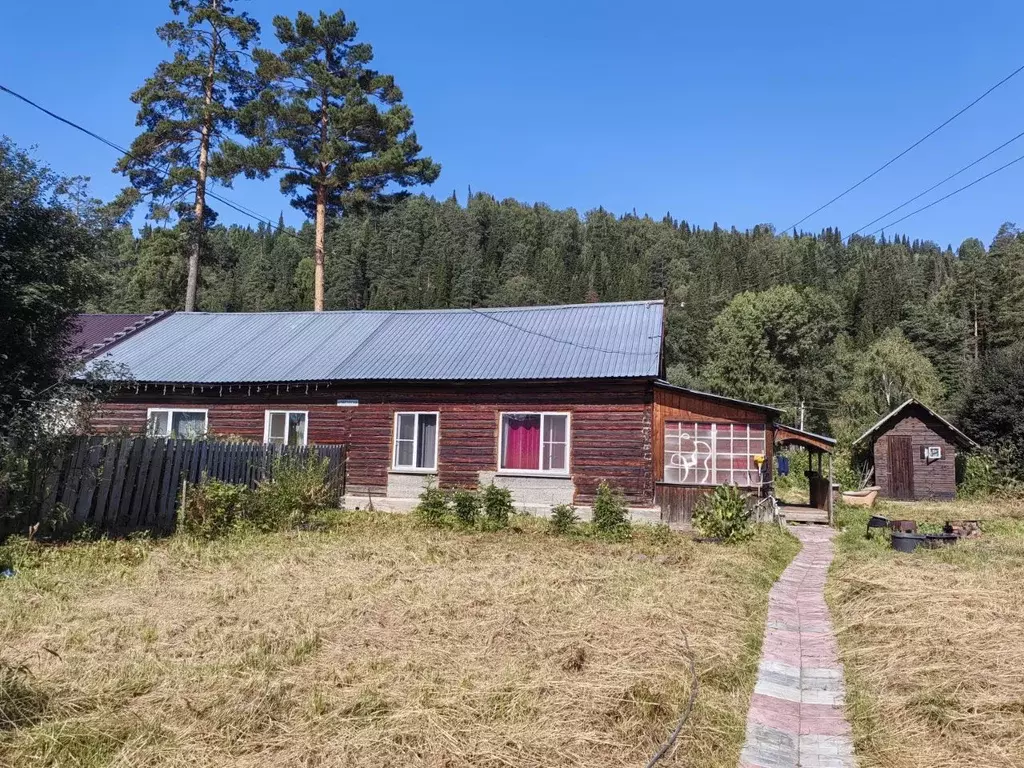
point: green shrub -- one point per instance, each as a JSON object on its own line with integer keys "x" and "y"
{"x": 497, "y": 506}
{"x": 723, "y": 514}
{"x": 563, "y": 518}
{"x": 434, "y": 506}
{"x": 466, "y": 505}
{"x": 610, "y": 513}
{"x": 990, "y": 473}
{"x": 213, "y": 508}
{"x": 296, "y": 493}
{"x": 979, "y": 477}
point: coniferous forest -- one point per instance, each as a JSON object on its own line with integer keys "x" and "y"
{"x": 771, "y": 318}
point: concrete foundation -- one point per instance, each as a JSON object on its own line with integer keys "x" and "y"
{"x": 645, "y": 515}
{"x": 531, "y": 494}
{"x": 408, "y": 485}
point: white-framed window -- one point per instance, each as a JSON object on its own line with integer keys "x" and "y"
{"x": 176, "y": 422}
{"x": 535, "y": 442}
{"x": 416, "y": 440}
{"x": 713, "y": 454}
{"x": 285, "y": 427}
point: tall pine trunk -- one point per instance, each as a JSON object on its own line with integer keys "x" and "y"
{"x": 318, "y": 251}
{"x": 321, "y": 214}
{"x": 204, "y": 157}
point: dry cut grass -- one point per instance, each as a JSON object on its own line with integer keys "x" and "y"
{"x": 933, "y": 642}
{"x": 379, "y": 643}
{"x": 938, "y": 512}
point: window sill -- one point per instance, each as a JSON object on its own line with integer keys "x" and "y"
{"x": 709, "y": 485}
{"x": 528, "y": 473}
{"x": 411, "y": 471}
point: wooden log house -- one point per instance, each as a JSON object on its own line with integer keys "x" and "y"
{"x": 546, "y": 401}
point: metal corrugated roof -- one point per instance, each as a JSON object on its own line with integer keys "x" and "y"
{"x": 94, "y": 333}
{"x": 580, "y": 341}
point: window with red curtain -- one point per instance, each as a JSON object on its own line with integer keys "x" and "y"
{"x": 535, "y": 442}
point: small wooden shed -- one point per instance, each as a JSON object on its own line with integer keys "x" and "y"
{"x": 913, "y": 451}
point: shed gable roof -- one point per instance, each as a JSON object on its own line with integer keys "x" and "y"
{"x": 890, "y": 418}
{"x": 581, "y": 341}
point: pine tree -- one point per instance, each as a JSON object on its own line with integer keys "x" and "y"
{"x": 974, "y": 285}
{"x": 159, "y": 279}
{"x": 185, "y": 108}
{"x": 1008, "y": 305}
{"x": 336, "y": 128}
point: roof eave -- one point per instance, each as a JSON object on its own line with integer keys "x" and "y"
{"x": 719, "y": 398}
{"x": 381, "y": 382}
{"x": 805, "y": 433}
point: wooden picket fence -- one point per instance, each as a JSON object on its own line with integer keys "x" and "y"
{"x": 116, "y": 486}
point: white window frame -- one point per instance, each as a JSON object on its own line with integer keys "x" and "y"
{"x": 170, "y": 418}
{"x": 413, "y": 469}
{"x": 716, "y": 428}
{"x": 266, "y": 425}
{"x": 540, "y": 458}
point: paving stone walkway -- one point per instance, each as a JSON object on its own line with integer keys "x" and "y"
{"x": 796, "y": 714}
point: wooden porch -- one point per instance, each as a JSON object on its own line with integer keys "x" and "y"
{"x": 819, "y": 508}
{"x": 804, "y": 513}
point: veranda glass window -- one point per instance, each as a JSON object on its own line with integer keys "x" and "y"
{"x": 415, "y": 441}
{"x": 535, "y": 442}
{"x": 285, "y": 427}
{"x": 177, "y": 422}
{"x": 713, "y": 454}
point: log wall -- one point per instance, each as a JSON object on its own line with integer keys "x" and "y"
{"x": 932, "y": 479}
{"x": 611, "y": 425}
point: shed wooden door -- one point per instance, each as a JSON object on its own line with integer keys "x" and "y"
{"x": 901, "y": 467}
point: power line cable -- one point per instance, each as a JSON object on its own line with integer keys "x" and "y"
{"x": 917, "y": 143}
{"x": 127, "y": 153}
{"x": 567, "y": 342}
{"x": 670, "y": 742}
{"x": 935, "y": 186}
{"x": 946, "y": 197}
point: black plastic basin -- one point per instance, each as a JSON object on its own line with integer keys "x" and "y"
{"x": 907, "y": 542}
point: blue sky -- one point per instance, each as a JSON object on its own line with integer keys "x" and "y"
{"x": 740, "y": 113}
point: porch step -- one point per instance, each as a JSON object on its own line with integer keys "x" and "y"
{"x": 804, "y": 514}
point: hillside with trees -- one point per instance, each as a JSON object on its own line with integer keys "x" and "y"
{"x": 848, "y": 327}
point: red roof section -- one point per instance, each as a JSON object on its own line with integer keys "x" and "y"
{"x": 95, "y": 333}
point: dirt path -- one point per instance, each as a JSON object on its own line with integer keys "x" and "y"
{"x": 796, "y": 714}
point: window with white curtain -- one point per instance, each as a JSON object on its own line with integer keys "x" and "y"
{"x": 285, "y": 427}
{"x": 176, "y": 422}
{"x": 416, "y": 439}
